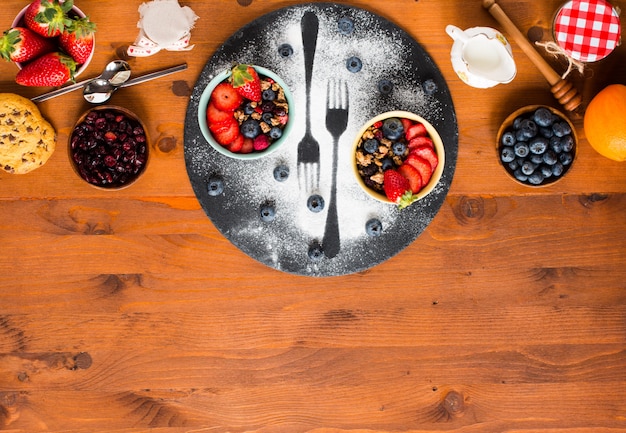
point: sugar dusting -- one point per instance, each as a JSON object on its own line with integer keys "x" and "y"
{"x": 283, "y": 243}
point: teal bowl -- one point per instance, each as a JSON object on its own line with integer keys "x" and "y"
{"x": 206, "y": 132}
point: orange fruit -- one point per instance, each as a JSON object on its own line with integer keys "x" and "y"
{"x": 605, "y": 122}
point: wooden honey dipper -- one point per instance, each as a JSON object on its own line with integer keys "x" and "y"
{"x": 563, "y": 91}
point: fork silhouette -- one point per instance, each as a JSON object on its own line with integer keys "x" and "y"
{"x": 337, "y": 104}
{"x": 308, "y": 148}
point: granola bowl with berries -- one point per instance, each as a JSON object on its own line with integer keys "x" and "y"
{"x": 108, "y": 147}
{"x": 246, "y": 112}
{"x": 399, "y": 158}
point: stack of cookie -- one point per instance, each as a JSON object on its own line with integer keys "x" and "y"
{"x": 26, "y": 139}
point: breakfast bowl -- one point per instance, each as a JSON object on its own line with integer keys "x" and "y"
{"x": 395, "y": 147}
{"x": 74, "y": 13}
{"x": 248, "y": 130}
{"x": 108, "y": 147}
{"x": 536, "y": 145}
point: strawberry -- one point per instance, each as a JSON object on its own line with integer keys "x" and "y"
{"x": 416, "y": 130}
{"x": 420, "y": 141}
{"x": 397, "y": 188}
{"x": 226, "y": 133}
{"x": 77, "y": 40}
{"x": 51, "y": 69}
{"x": 406, "y": 123}
{"x": 48, "y": 17}
{"x": 246, "y": 82}
{"x": 421, "y": 165}
{"x": 21, "y": 44}
{"x": 428, "y": 153}
{"x": 215, "y": 116}
{"x": 248, "y": 145}
{"x": 237, "y": 144}
{"x": 225, "y": 97}
{"x": 412, "y": 175}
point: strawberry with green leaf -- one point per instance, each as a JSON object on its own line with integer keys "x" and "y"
{"x": 77, "y": 39}
{"x": 48, "y": 17}
{"x": 246, "y": 82}
{"x": 52, "y": 69}
{"x": 21, "y": 44}
{"x": 398, "y": 189}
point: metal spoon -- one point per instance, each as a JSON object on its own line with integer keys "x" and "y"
{"x": 99, "y": 90}
{"x": 116, "y": 71}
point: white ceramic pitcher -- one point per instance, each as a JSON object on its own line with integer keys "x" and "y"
{"x": 481, "y": 56}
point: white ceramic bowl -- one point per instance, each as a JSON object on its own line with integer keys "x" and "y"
{"x": 19, "y": 22}
{"x": 434, "y": 136}
{"x": 204, "y": 127}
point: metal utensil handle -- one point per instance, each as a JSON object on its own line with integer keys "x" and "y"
{"x": 61, "y": 91}
{"x": 153, "y": 75}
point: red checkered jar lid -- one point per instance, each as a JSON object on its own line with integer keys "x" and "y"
{"x": 587, "y": 30}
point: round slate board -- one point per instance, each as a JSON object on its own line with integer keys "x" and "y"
{"x": 387, "y": 52}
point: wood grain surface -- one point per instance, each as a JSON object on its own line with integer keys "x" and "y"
{"x": 128, "y": 312}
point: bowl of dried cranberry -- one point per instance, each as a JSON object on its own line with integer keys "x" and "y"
{"x": 398, "y": 158}
{"x": 246, "y": 112}
{"x": 108, "y": 147}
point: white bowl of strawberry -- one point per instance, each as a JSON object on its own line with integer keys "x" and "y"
{"x": 399, "y": 158}
{"x": 245, "y": 112}
{"x": 50, "y": 42}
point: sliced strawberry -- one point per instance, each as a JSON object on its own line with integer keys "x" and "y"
{"x": 215, "y": 116}
{"x": 248, "y": 145}
{"x": 412, "y": 175}
{"x": 406, "y": 123}
{"x": 225, "y": 97}
{"x": 227, "y": 134}
{"x": 227, "y": 123}
{"x": 421, "y": 165}
{"x": 421, "y": 141}
{"x": 428, "y": 153}
{"x": 246, "y": 82}
{"x": 237, "y": 144}
{"x": 416, "y": 130}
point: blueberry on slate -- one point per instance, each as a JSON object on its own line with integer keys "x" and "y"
{"x": 250, "y": 128}
{"x": 345, "y": 26}
{"x": 521, "y": 149}
{"x": 536, "y": 178}
{"x": 543, "y": 117}
{"x": 354, "y": 64}
{"x": 315, "y": 253}
{"x": 275, "y": 133}
{"x": 281, "y": 173}
{"x": 267, "y": 212}
{"x": 285, "y": 50}
{"x": 215, "y": 186}
{"x": 371, "y": 145}
{"x": 507, "y": 154}
{"x": 268, "y": 95}
{"x": 429, "y": 86}
{"x": 508, "y": 138}
{"x": 315, "y": 203}
{"x": 374, "y": 227}
{"x": 398, "y": 148}
{"x": 392, "y": 128}
{"x": 385, "y": 86}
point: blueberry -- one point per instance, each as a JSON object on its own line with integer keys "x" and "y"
{"x": 546, "y": 132}
{"x": 429, "y": 86}
{"x": 507, "y": 154}
{"x": 528, "y": 168}
{"x": 550, "y": 157}
{"x": 508, "y": 138}
{"x": 568, "y": 143}
{"x": 385, "y": 86}
{"x": 536, "y": 159}
{"x": 250, "y": 128}
{"x": 285, "y": 50}
{"x": 529, "y": 128}
{"x": 566, "y": 158}
{"x": 538, "y": 145}
{"x": 315, "y": 203}
{"x": 345, "y": 26}
{"x": 556, "y": 144}
{"x": 561, "y": 129}
{"x": 281, "y": 173}
{"x": 543, "y": 117}
{"x": 267, "y": 117}
{"x": 514, "y": 165}
{"x": 268, "y": 95}
{"x": 520, "y": 135}
{"x": 536, "y": 178}
{"x": 315, "y": 253}
{"x": 557, "y": 169}
{"x": 275, "y": 133}
{"x": 546, "y": 171}
{"x": 373, "y": 227}
{"x": 354, "y": 64}
{"x": 267, "y": 212}
{"x": 393, "y": 128}
{"x": 387, "y": 164}
{"x": 398, "y": 148}
{"x": 371, "y": 145}
{"x": 248, "y": 108}
{"x": 520, "y": 176}
{"x": 517, "y": 122}
{"x": 215, "y": 186}
{"x": 521, "y": 149}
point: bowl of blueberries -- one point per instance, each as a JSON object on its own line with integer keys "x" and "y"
{"x": 536, "y": 145}
{"x": 240, "y": 128}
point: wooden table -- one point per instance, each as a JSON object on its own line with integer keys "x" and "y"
{"x": 128, "y": 311}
